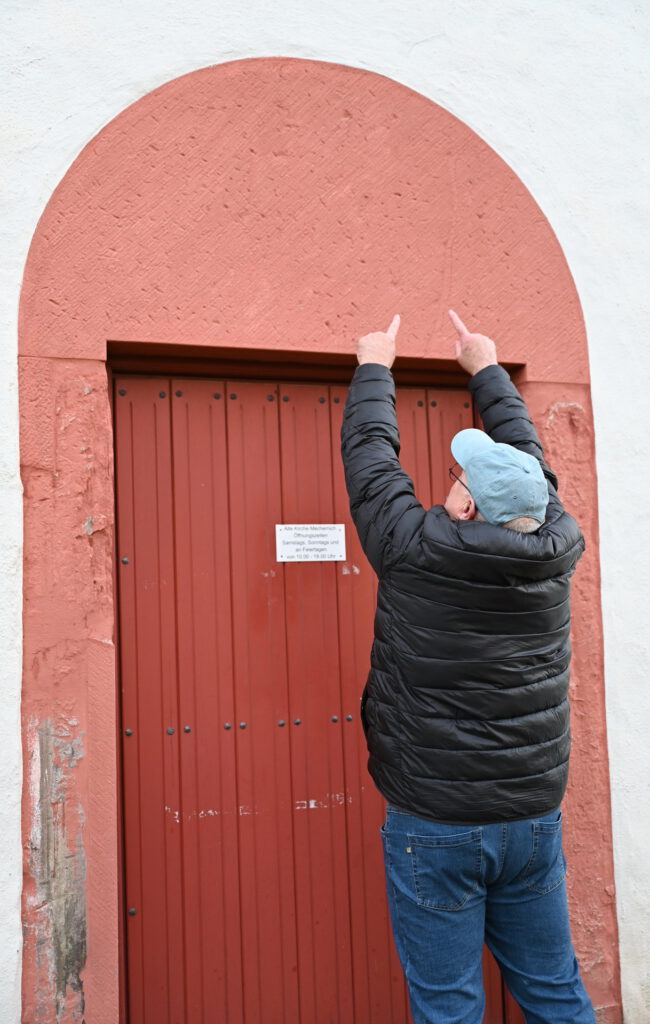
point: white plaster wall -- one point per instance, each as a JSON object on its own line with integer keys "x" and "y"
{"x": 561, "y": 91}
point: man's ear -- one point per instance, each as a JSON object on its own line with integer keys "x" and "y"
{"x": 468, "y": 510}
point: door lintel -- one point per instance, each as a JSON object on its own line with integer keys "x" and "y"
{"x": 147, "y": 358}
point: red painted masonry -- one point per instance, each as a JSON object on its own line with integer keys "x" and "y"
{"x": 287, "y": 205}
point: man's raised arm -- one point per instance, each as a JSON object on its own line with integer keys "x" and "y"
{"x": 503, "y": 411}
{"x": 384, "y": 508}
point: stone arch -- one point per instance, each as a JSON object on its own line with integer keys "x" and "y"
{"x": 279, "y": 204}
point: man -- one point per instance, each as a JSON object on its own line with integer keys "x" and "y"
{"x": 465, "y": 709}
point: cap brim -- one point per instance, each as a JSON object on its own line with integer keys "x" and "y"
{"x": 468, "y": 443}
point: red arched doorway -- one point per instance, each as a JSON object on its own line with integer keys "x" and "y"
{"x": 271, "y": 209}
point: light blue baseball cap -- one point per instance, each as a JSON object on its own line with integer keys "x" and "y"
{"x": 505, "y": 482}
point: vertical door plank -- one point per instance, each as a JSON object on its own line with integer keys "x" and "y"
{"x": 379, "y": 987}
{"x": 493, "y": 990}
{"x": 513, "y": 1012}
{"x": 414, "y": 437}
{"x": 269, "y": 945}
{"x": 320, "y": 841}
{"x": 208, "y": 819}
{"x": 149, "y": 699}
{"x": 448, "y": 412}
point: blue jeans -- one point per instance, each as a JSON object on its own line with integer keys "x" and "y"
{"x": 452, "y": 887}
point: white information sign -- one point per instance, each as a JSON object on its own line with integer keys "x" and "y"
{"x": 310, "y": 542}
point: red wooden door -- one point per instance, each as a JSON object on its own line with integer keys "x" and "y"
{"x": 254, "y": 880}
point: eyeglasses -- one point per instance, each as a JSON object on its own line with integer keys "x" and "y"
{"x": 453, "y": 476}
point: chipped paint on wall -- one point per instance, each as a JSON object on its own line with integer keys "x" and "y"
{"x": 55, "y": 906}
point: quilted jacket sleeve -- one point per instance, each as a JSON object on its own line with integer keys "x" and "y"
{"x": 505, "y": 415}
{"x": 386, "y": 513}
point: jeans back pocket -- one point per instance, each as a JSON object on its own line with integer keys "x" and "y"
{"x": 446, "y": 868}
{"x": 546, "y": 869}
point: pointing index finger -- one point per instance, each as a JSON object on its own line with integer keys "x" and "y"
{"x": 457, "y": 322}
{"x": 394, "y": 327}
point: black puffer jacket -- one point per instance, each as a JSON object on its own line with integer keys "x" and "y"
{"x": 465, "y": 709}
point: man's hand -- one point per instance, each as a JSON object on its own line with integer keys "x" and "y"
{"x": 380, "y": 346}
{"x": 473, "y": 351}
